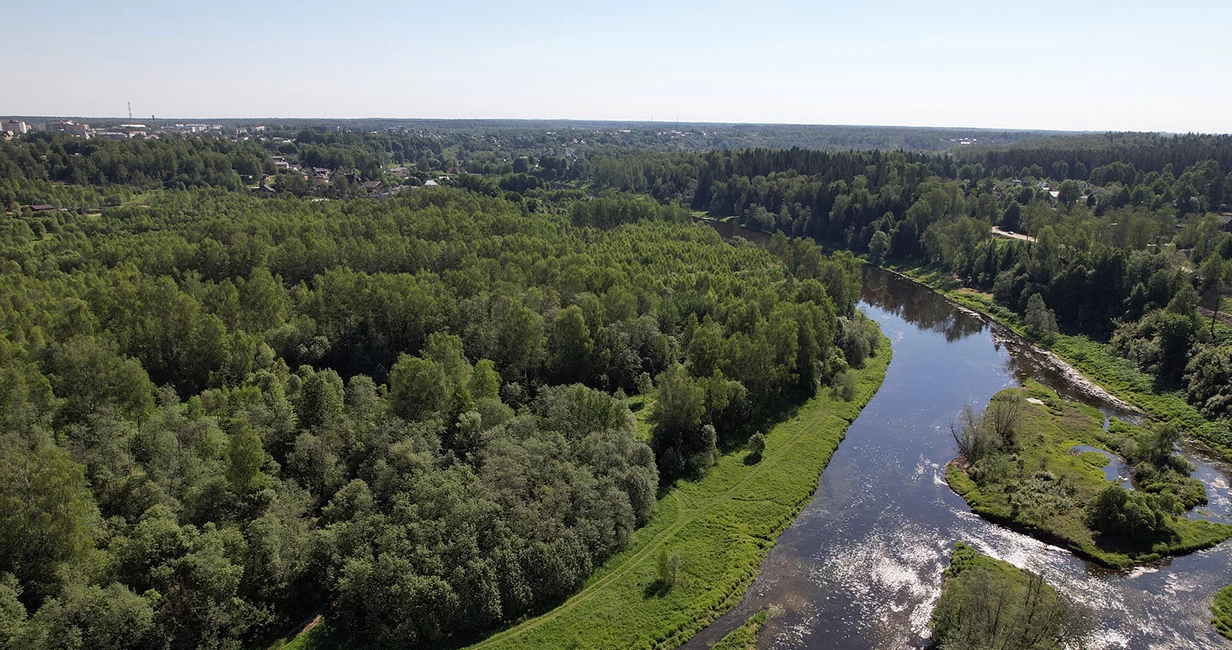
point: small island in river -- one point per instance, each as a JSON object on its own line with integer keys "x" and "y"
{"x": 989, "y": 603}
{"x": 1034, "y": 462}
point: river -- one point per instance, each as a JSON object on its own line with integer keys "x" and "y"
{"x": 861, "y": 566}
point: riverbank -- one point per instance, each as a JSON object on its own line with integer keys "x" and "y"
{"x": 1118, "y": 376}
{"x": 1041, "y": 486}
{"x": 722, "y": 527}
{"x": 1221, "y": 608}
{"x": 745, "y": 636}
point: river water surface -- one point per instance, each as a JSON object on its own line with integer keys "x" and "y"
{"x": 861, "y": 566}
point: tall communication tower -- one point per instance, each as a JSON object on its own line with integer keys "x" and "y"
{"x": 130, "y": 111}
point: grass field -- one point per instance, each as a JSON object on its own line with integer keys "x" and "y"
{"x": 640, "y": 405}
{"x": 722, "y": 526}
{"x": 1044, "y": 495}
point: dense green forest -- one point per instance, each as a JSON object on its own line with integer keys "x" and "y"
{"x": 1123, "y": 239}
{"x": 1124, "y": 255}
{"x": 223, "y": 413}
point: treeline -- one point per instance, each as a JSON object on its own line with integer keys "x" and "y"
{"x": 1105, "y": 221}
{"x": 522, "y": 137}
{"x": 222, "y": 414}
{"x": 170, "y": 162}
{"x": 1077, "y": 157}
{"x": 1128, "y": 257}
{"x": 366, "y": 152}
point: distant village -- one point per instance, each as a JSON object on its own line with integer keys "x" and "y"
{"x": 396, "y": 177}
{"x": 11, "y": 128}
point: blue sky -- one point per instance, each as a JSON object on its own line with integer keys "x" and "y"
{"x": 1089, "y": 65}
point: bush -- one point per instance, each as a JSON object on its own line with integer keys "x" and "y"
{"x": 669, "y": 567}
{"x": 987, "y": 603}
{"x": 857, "y": 339}
{"x": 757, "y": 444}
{"x": 845, "y": 385}
{"x": 1041, "y": 319}
{"x": 1208, "y": 381}
{"x": 1115, "y": 511}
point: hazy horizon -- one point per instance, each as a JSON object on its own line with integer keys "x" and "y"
{"x": 1057, "y": 66}
{"x": 579, "y": 120}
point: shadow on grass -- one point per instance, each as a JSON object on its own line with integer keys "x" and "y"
{"x": 752, "y": 458}
{"x": 1134, "y": 546}
{"x": 760, "y": 420}
{"x": 657, "y": 589}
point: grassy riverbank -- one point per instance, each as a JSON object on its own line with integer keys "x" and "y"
{"x": 745, "y": 636}
{"x": 1117, "y": 375}
{"x": 986, "y": 602}
{"x": 1221, "y": 607}
{"x": 1041, "y": 486}
{"x": 1095, "y": 360}
{"x": 722, "y": 526}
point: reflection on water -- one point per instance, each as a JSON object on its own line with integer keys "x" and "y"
{"x": 922, "y": 309}
{"x": 861, "y": 566}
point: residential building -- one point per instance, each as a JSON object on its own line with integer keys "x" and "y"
{"x": 70, "y": 127}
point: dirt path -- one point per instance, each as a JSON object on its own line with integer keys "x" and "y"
{"x": 1011, "y": 235}
{"x": 1223, "y": 317}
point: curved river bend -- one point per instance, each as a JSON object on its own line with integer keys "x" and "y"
{"x": 861, "y": 566}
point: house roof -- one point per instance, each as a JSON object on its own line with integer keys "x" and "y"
{"x": 43, "y": 207}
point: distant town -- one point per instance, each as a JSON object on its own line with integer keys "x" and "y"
{"x": 381, "y": 157}
{"x": 15, "y": 127}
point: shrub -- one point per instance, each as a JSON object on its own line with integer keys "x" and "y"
{"x": 1115, "y": 511}
{"x": 845, "y": 385}
{"x": 757, "y": 444}
{"x": 669, "y": 567}
{"x": 1041, "y": 319}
